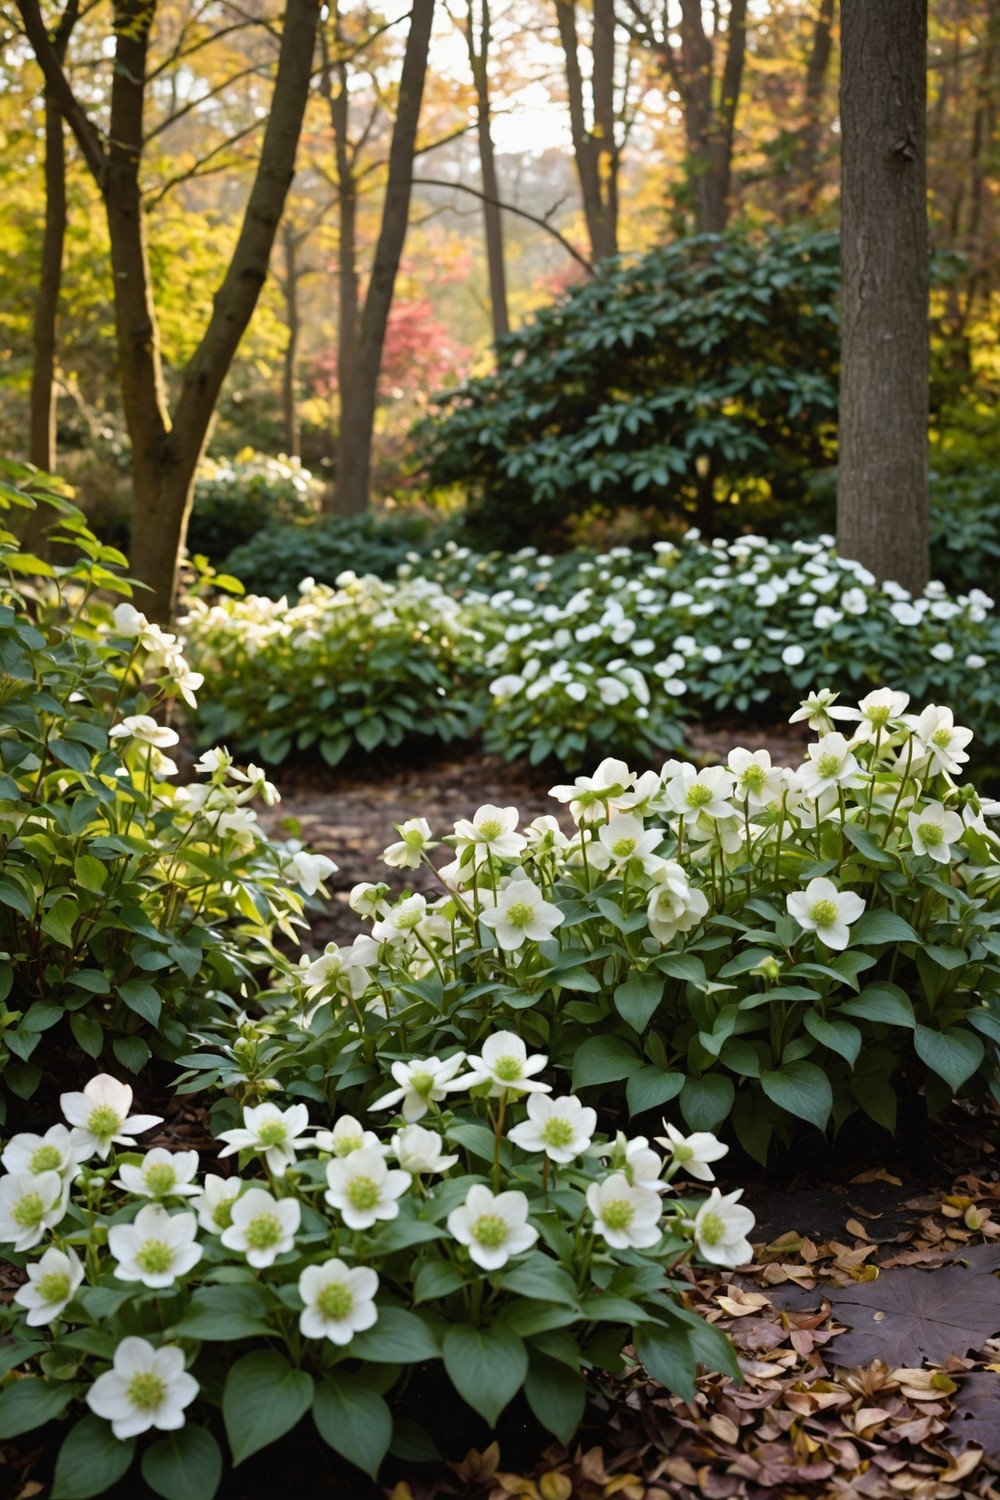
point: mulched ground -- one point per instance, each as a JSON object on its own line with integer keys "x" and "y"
{"x": 868, "y": 1328}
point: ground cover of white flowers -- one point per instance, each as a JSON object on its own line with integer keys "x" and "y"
{"x": 572, "y": 658}
{"x": 453, "y": 1183}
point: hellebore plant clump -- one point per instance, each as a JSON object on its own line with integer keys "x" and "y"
{"x": 423, "y": 1160}
{"x": 767, "y": 947}
{"x": 320, "y": 1278}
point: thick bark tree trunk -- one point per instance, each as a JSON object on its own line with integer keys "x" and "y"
{"x": 479, "y": 53}
{"x": 359, "y": 394}
{"x": 882, "y": 476}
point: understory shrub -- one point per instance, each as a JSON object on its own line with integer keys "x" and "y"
{"x": 128, "y": 904}
{"x": 277, "y": 558}
{"x": 770, "y": 948}
{"x": 579, "y": 655}
{"x": 235, "y": 499}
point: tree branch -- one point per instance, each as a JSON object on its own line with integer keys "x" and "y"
{"x": 87, "y": 135}
{"x": 511, "y": 208}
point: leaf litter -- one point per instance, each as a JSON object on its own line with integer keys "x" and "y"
{"x": 871, "y": 1371}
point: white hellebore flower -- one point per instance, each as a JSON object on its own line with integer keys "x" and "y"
{"x": 562, "y": 1128}
{"x": 145, "y": 1388}
{"x": 933, "y": 829}
{"x": 29, "y": 1204}
{"x": 156, "y": 1247}
{"x": 830, "y": 764}
{"x": 401, "y": 919}
{"x": 419, "y": 1150}
{"x": 624, "y": 839}
{"x": 368, "y": 900}
{"x": 518, "y": 912}
{"x": 878, "y": 712}
{"x": 100, "y": 1115}
{"x": 162, "y": 1174}
{"x": 55, "y": 1151}
{"x": 339, "y": 1301}
{"x": 215, "y": 1204}
{"x": 693, "y": 793}
{"x": 308, "y": 871}
{"x": 491, "y": 831}
{"x": 589, "y": 795}
{"x": 721, "y": 1227}
{"x": 51, "y": 1285}
{"x": 272, "y": 1131}
{"x": 422, "y": 1084}
{"x": 145, "y": 729}
{"x": 941, "y": 741}
{"x": 415, "y": 837}
{"x": 505, "y": 1065}
{"x": 673, "y": 906}
{"x": 344, "y": 970}
{"x": 626, "y": 1216}
{"x": 823, "y": 909}
{"x": 757, "y": 781}
{"x": 363, "y": 1189}
{"x": 636, "y": 1161}
{"x": 819, "y": 711}
{"x": 692, "y": 1152}
{"x": 346, "y": 1136}
{"x": 493, "y": 1226}
{"x": 263, "y": 1227}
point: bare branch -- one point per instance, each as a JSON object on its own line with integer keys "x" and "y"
{"x": 511, "y": 208}
{"x": 200, "y": 167}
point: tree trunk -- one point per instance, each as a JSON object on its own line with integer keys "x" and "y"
{"x": 165, "y": 454}
{"x": 882, "y": 476}
{"x": 42, "y": 441}
{"x": 709, "y": 127}
{"x": 594, "y": 151}
{"x": 42, "y": 407}
{"x": 492, "y": 222}
{"x": 808, "y": 150}
{"x": 359, "y": 395}
{"x": 289, "y": 382}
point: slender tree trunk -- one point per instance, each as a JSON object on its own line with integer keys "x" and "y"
{"x": 479, "y": 53}
{"x": 42, "y": 442}
{"x": 709, "y": 126}
{"x": 359, "y": 395}
{"x": 165, "y": 452}
{"x": 594, "y": 151}
{"x": 882, "y": 477}
{"x": 808, "y": 151}
{"x": 289, "y": 380}
{"x": 42, "y": 408}
{"x": 348, "y": 289}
